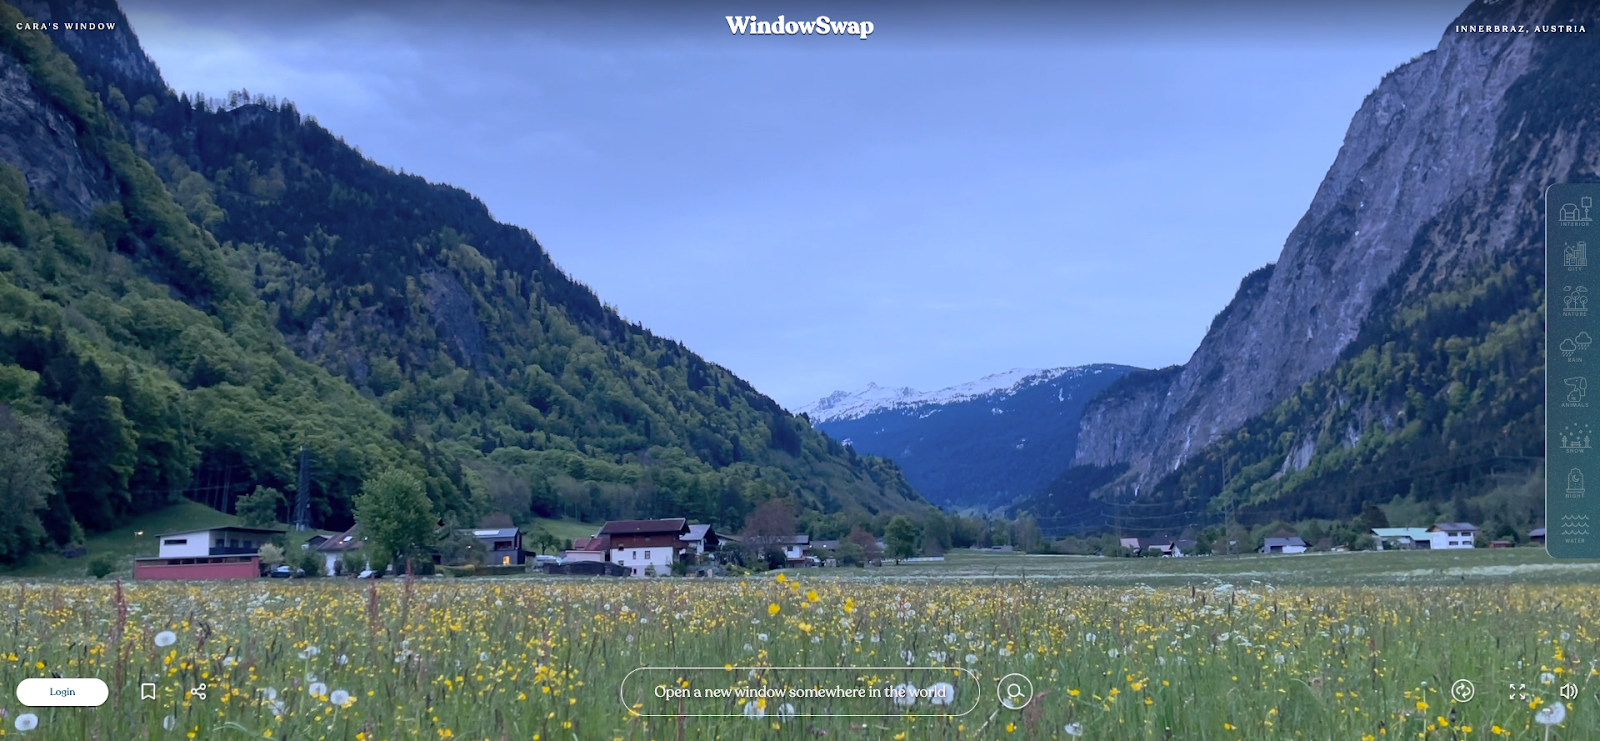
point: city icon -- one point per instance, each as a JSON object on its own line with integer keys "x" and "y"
{"x": 1576, "y": 214}
{"x": 1575, "y": 438}
{"x": 1574, "y": 481}
{"x": 1576, "y": 302}
{"x": 1573, "y": 525}
{"x": 1579, "y": 386}
{"x": 1575, "y": 255}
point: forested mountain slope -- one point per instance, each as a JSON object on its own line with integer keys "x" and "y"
{"x": 192, "y": 289}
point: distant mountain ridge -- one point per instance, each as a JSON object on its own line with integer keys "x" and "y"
{"x": 974, "y": 445}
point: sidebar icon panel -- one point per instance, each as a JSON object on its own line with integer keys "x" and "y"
{"x": 1572, "y": 405}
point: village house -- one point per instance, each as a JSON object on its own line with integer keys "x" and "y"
{"x": 503, "y": 546}
{"x": 1402, "y": 538}
{"x": 702, "y": 539}
{"x": 593, "y": 550}
{"x": 796, "y": 548}
{"x": 334, "y": 549}
{"x": 1283, "y": 544}
{"x": 1453, "y": 535}
{"x": 213, "y": 553}
{"x": 645, "y": 547}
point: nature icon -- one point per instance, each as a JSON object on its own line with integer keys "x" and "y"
{"x": 1582, "y": 340}
{"x": 1567, "y": 348}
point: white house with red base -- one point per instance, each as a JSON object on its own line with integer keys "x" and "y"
{"x": 213, "y": 553}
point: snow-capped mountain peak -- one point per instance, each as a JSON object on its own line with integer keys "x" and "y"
{"x": 846, "y": 405}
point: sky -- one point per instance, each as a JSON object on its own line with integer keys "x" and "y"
{"x": 971, "y": 189}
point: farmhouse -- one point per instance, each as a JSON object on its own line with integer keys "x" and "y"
{"x": 645, "y": 547}
{"x": 214, "y": 553}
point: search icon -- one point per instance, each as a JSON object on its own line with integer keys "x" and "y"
{"x": 1015, "y": 691}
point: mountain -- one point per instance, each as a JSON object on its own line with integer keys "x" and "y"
{"x": 193, "y": 288}
{"x": 1395, "y": 347}
{"x": 979, "y": 444}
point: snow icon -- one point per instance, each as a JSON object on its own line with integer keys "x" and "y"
{"x": 1575, "y": 438}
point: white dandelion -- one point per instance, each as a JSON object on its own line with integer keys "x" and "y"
{"x": 27, "y": 722}
{"x": 905, "y": 695}
{"x": 170, "y": 723}
{"x": 343, "y": 659}
{"x": 1114, "y": 653}
{"x": 1547, "y": 678}
{"x": 754, "y": 711}
{"x": 786, "y": 710}
{"x": 309, "y": 652}
{"x": 318, "y": 689}
{"x": 483, "y": 656}
{"x": 166, "y": 638}
{"x": 1551, "y": 715}
{"x": 340, "y": 698}
{"x": 271, "y": 693}
{"x": 1074, "y": 729}
{"x": 761, "y": 637}
{"x": 942, "y": 693}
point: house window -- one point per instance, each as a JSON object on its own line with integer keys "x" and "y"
{"x": 175, "y": 541}
{"x": 635, "y": 554}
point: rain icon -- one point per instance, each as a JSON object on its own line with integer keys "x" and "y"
{"x": 1582, "y": 340}
{"x": 1568, "y": 347}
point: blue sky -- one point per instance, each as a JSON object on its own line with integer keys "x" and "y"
{"x": 964, "y": 192}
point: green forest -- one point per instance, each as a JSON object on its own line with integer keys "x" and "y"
{"x": 249, "y": 284}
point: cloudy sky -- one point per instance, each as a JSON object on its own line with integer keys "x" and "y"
{"x": 964, "y": 192}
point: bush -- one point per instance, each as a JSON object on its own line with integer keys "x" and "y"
{"x": 271, "y": 555}
{"x": 102, "y": 565}
{"x": 353, "y": 562}
{"x": 313, "y": 564}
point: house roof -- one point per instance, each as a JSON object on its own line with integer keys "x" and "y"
{"x": 492, "y": 533}
{"x": 1537, "y": 532}
{"x": 1289, "y": 541}
{"x": 1453, "y": 526}
{"x": 596, "y": 544}
{"x": 1414, "y": 533}
{"x": 655, "y": 540}
{"x": 228, "y": 528}
{"x": 671, "y": 526}
{"x": 778, "y": 540}
{"x": 699, "y": 532}
{"x": 348, "y": 540}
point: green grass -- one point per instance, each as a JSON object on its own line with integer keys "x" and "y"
{"x": 126, "y": 542}
{"x": 563, "y": 529}
{"x": 1361, "y": 568}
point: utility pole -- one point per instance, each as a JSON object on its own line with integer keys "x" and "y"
{"x": 302, "y": 494}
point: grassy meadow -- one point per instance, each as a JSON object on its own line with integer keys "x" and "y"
{"x": 1338, "y": 646}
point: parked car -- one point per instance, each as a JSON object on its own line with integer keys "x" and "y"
{"x": 281, "y": 572}
{"x": 369, "y": 574}
{"x": 544, "y": 559}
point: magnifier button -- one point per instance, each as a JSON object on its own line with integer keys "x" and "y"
{"x": 1015, "y": 691}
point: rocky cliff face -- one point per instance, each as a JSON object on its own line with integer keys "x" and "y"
{"x": 40, "y": 141}
{"x": 1421, "y": 148}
